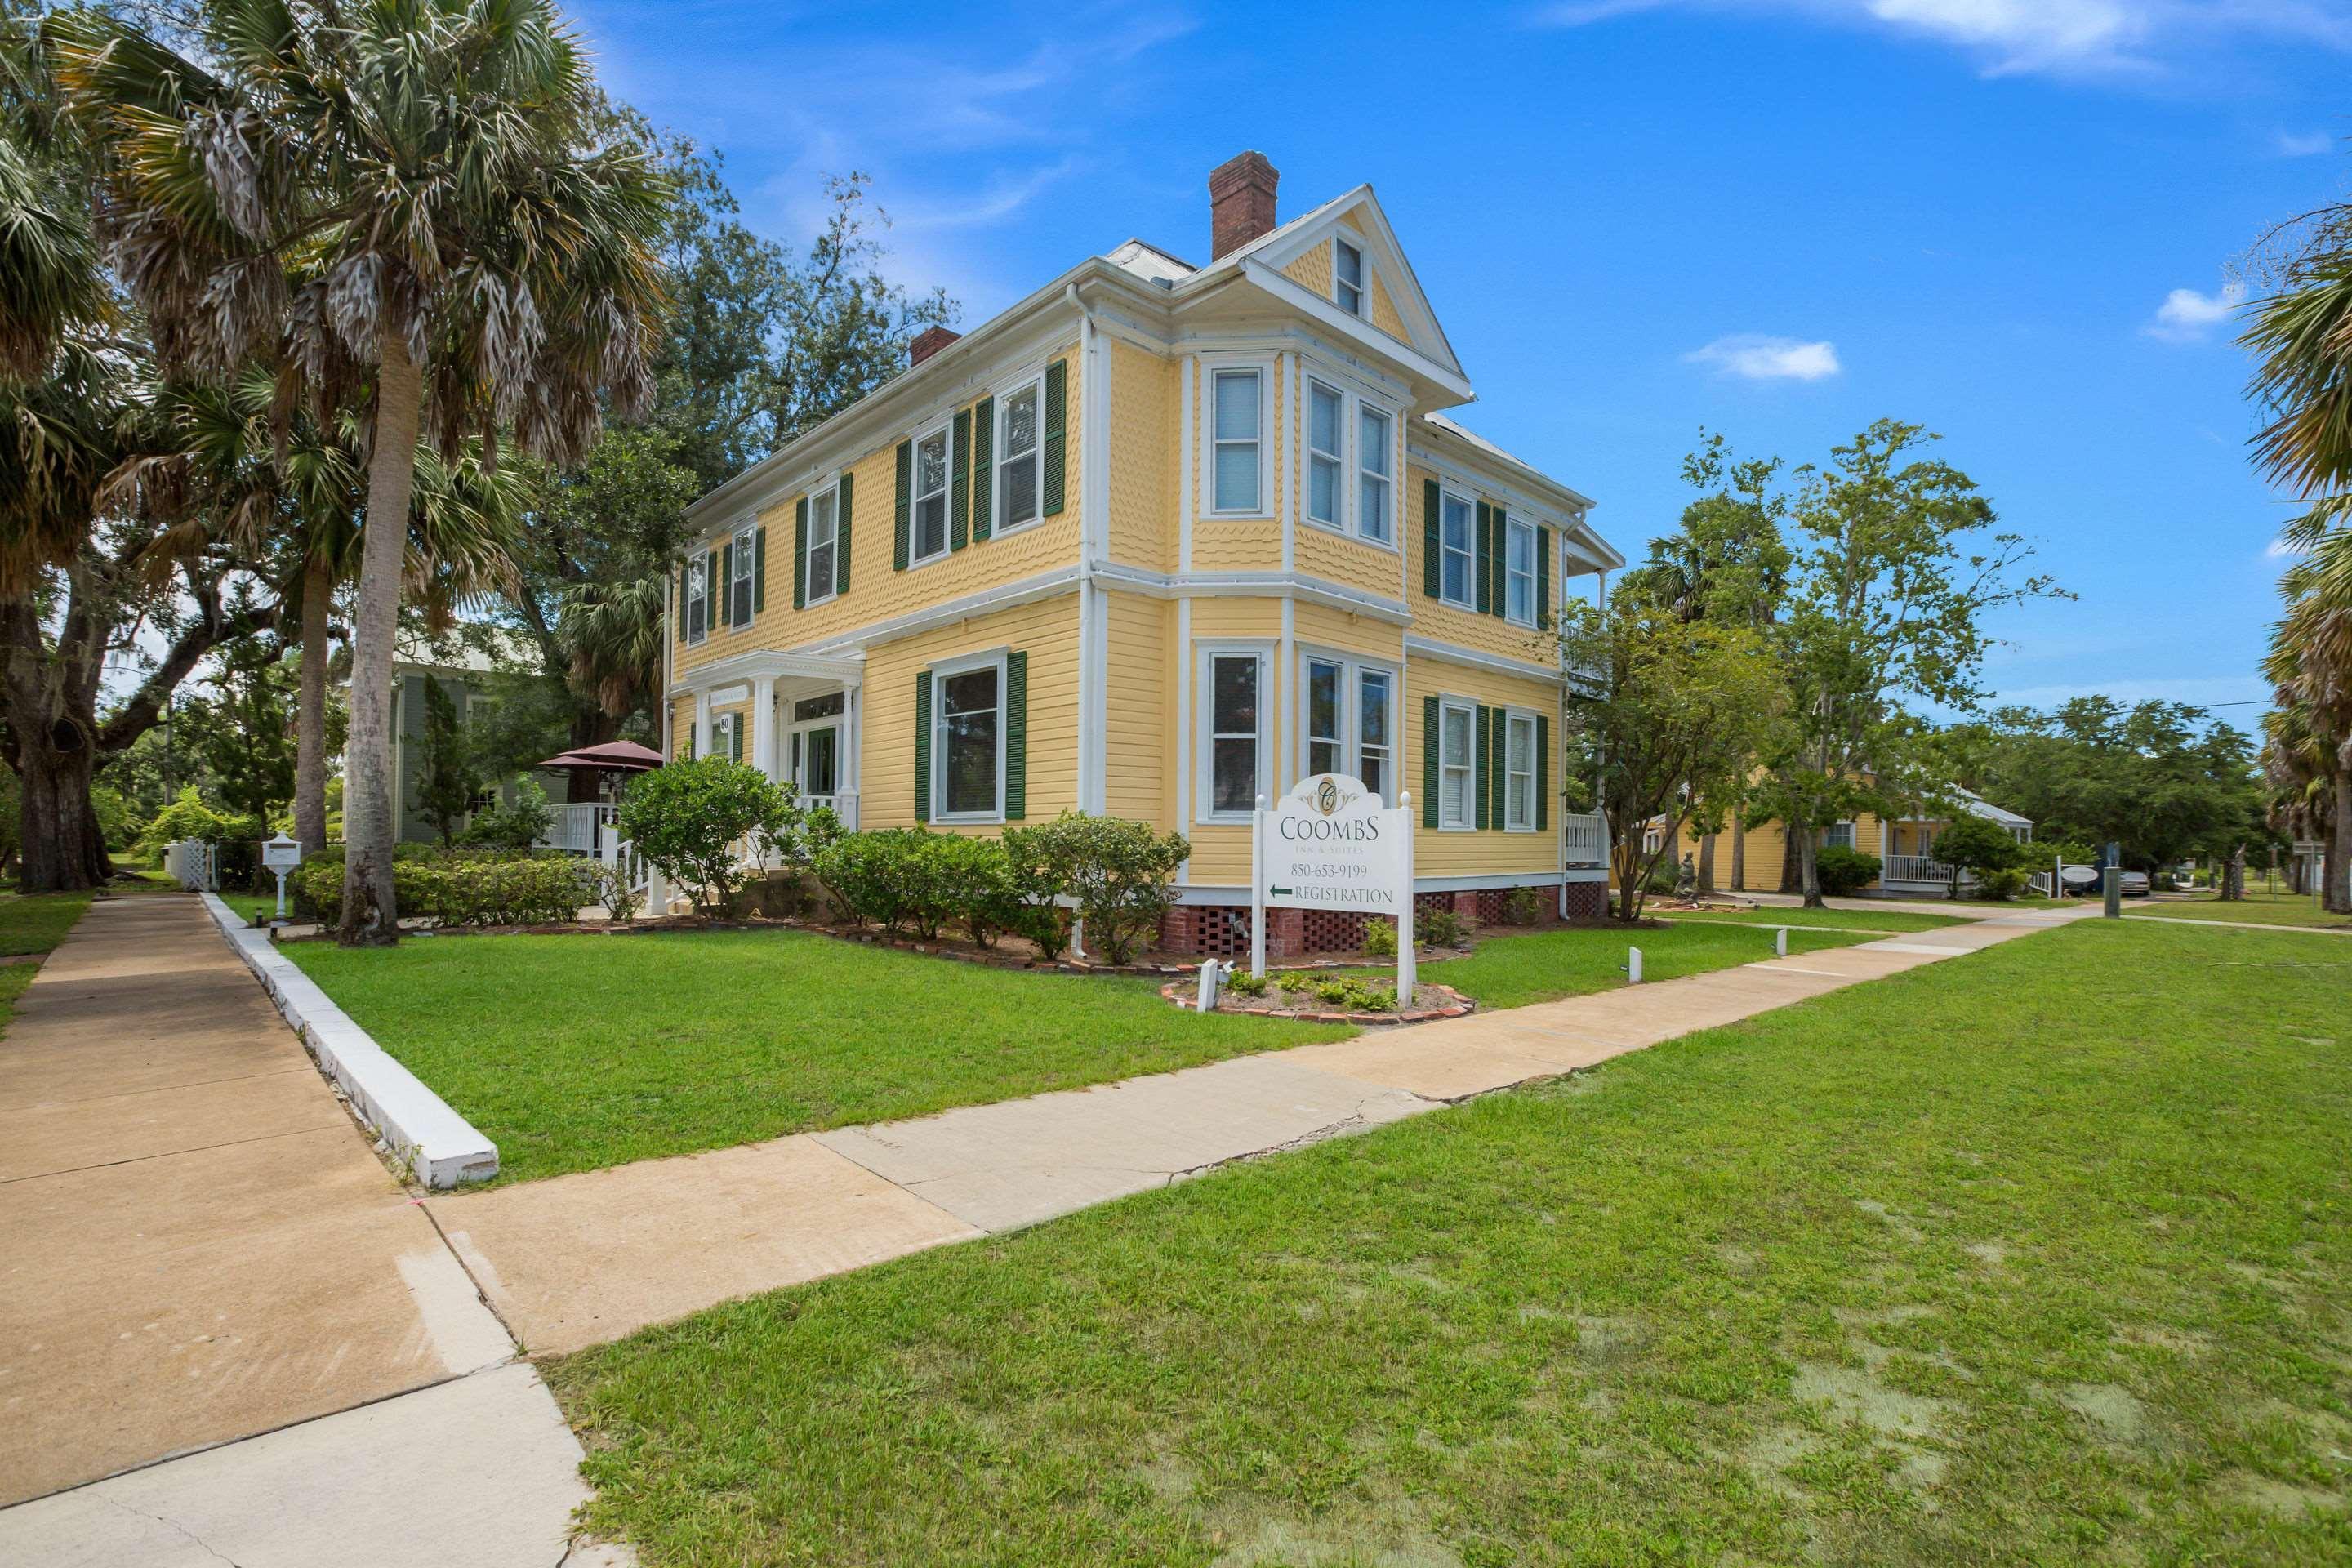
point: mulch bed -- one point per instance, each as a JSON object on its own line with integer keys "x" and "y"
{"x": 1430, "y": 1003}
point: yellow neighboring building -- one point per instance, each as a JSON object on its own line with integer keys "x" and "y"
{"x": 1905, "y": 847}
{"x": 1156, "y": 541}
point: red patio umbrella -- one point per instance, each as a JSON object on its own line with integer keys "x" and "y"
{"x": 611, "y": 757}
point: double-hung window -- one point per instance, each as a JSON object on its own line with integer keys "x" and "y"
{"x": 1235, "y": 394}
{"x": 1838, "y": 834}
{"x": 1373, "y": 462}
{"x": 1456, "y": 801}
{"x": 1457, "y": 557}
{"x": 1236, "y": 771}
{"x": 696, "y": 608}
{"x": 1349, "y": 722}
{"x": 739, "y": 590}
{"x": 967, "y": 742}
{"x": 1520, "y": 773}
{"x": 1519, "y": 571}
{"x": 1017, "y": 462}
{"x": 931, "y": 500}
{"x": 1325, "y": 408}
{"x": 823, "y": 539}
{"x": 1348, "y": 277}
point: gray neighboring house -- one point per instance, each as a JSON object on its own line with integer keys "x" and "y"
{"x": 465, "y": 675}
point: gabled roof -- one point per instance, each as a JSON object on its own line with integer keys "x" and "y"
{"x": 1978, "y": 805}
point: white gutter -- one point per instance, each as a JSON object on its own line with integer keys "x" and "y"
{"x": 1094, "y": 505}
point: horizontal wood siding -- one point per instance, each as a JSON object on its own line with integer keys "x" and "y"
{"x": 1138, "y": 693}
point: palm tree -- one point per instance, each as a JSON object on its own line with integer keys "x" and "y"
{"x": 400, "y": 206}
{"x": 284, "y": 491}
{"x": 614, "y": 633}
{"x": 2310, "y": 664}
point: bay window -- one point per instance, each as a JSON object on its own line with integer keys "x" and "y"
{"x": 1237, "y": 411}
{"x": 1349, "y": 722}
{"x": 1372, "y": 476}
{"x": 1324, "y": 407}
{"x": 1233, "y": 719}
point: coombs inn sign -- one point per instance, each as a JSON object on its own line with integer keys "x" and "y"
{"x": 1331, "y": 844}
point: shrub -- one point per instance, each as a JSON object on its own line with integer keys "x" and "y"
{"x": 1243, "y": 983}
{"x": 900, "y": 878}
{"x": 1522, "y": 907}
{"x": 1845, "y": 870}
{"x": 616, "y": 892}
{"x": 1121, "y": 874}
{"x": 515, "y": 827}
{"x": 1438, "y": 928}
{"x": 978, "y": 888}
{"x": 457, "y": 891}
{"x": 1380, "y": 937}
{"x": 689, "y": 816}
{"x": 2003, "y": 884}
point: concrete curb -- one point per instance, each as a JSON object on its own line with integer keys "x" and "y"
{"x": 440, "y": 1147}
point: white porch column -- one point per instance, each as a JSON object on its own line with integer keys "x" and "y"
{"x": 763, "y": 724}
{"x": 849, "y": 766}
{"x": 702, "y": 722}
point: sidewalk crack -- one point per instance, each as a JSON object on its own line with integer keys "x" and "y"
{"x": 209, "y": 1549}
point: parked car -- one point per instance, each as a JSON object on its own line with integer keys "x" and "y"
{"x": 2135, "y": 884}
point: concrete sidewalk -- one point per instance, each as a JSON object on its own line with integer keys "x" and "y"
{"x": 577, "y": 1260}
{"x": 203, "y": 1248}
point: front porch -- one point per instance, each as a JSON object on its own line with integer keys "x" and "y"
{"x": 803, "y": 715}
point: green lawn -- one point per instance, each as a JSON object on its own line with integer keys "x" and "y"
{"x": 575, "y": 1052}
{"x": 1995, "y": 1261}
{"x": 35, "y": 922}
{"x": 2258, "y": 909}
{"x": 1845, "y": 920}
{"x": 1513, "y": 971}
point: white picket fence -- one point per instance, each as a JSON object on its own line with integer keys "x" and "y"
{"x": 193, "y": 864}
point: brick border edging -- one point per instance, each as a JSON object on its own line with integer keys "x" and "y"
{"x": 440, "y": 1147}
{"x": 1460, "y": 1007}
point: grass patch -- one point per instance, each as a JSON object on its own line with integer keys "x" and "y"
{"x": 2254, "y": 909}
{"x": 1844, "y": 920}
{"x": 1514, "y": 971}
{"x": 1995, "y": 1261}
{"x": 575, "y": 1052}
{"x": 35, "y": 922}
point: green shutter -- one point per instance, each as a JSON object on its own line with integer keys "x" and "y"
{"x": 726, "y": 578}
{"x": 1500, "y": 555}
{"x": 711, "y": 581}
{"x": 1483, "y": 737}
{"x": 1432, "y": 564}
{"x": 1543, "y": 576}
{"x": 1498, "y": 777}
{"x": 760, "y": 570}
{"x": 1543, "y": 773}
{"x": 1016, "y": 736}
{"x": 923, "y": 746}
{"x": 983, "y": 472}
{"x": 1481, "y": 565}
{"x": 905, "y": 491}
{"x": 734, "y": 737}
{"x": 960, "y": 487}
{"x": 1056, "y": 380}
{"x": 800, "y": 554}
{"x": 841, "y": 535}
{"x": 1428, "y": 719}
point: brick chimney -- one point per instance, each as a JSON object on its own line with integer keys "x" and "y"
{"x": 1241, "y": 202}
{"x": 929, "y": 342}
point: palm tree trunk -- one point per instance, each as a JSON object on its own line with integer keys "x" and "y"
{"x": 311, "y": 714}
{"x": 369, "y": 912}
{"x": 2339, "y": 898}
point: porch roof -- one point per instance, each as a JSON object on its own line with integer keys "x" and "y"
{"x": 847, "y": 667}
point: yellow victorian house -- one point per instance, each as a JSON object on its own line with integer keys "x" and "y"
{"x": 1153, "y": 542}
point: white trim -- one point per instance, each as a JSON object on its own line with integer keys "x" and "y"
{"x": 1264, "y": 371}
{"x": 1471, "y": 658}
{"x": 1093, "y": 547}
{"x": 1027, "y": 379}
{"x": 832, "y": 492}
{"x": 1353, "y": 667}
{"x": 945, "y": 430}
{"x": 941, "y": 671}
{"x": 1534, "y": 876}
{"x": 1513, "y": 717}
{"x": 698, "y": 573}
{"x": 1469, "y": 600}
{"x": 1356, "y": 330}
{"x": 1344, "y": 238}
{"x": 1469, "y": 711}
{"x": 1204, "y": 654}
{"x": 1184, "y": 476}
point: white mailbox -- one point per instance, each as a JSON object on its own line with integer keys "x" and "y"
{"x": 280, "y": 855}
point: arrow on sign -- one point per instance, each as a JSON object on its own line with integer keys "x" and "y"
{"x": 1277, "y": 893}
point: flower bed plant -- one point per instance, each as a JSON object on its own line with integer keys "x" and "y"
{"x": 1327, "y": 996}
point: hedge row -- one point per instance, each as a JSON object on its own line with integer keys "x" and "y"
{"x": 462, "y": 889}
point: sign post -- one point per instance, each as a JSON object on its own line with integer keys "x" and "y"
{"x": 280, "y": 855}
{"x": 1331, "y": 844}
{"x": 2111, "y": 887}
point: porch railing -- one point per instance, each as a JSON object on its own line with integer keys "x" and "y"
{"x": 843, "y": 803}
{"x": 576, "y": 826}
{"x": 1914, "y": 868}
{"x": 1584, "y": 838}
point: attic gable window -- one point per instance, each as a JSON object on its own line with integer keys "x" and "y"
{"x": 1348, "y": 277}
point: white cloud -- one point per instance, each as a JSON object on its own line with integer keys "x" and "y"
{"x": 2308, "y": 144}
{"x": 2055, "y": 37}
{"x": 2188, "y": 317}
{"x": 1753, "y": 356}
{"x": 2280, "y": 550}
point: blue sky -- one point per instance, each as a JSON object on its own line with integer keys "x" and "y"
{"x": 2009, "y": 220}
